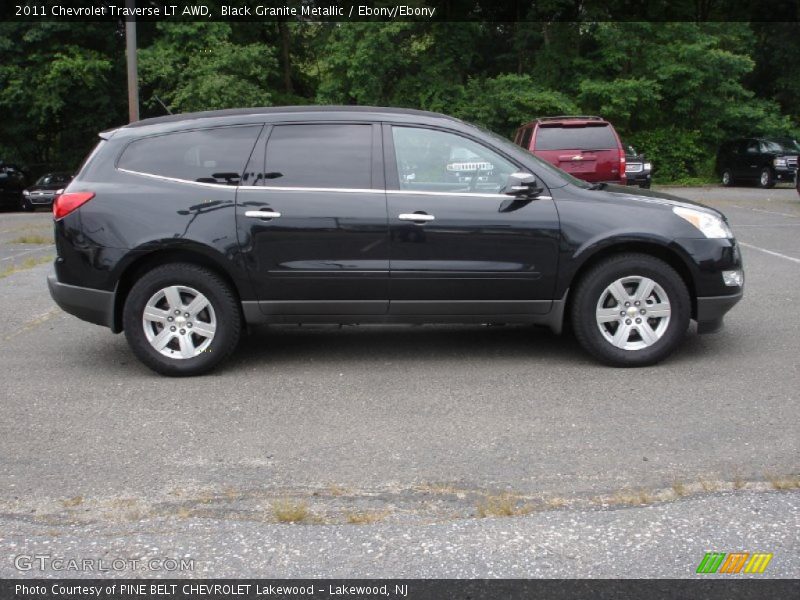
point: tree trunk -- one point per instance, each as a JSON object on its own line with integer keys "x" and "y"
{"x": 286, "y": 61}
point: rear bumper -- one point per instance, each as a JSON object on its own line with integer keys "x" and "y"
{"x": 94, "y": 306}
{"x": 712, "y": 309}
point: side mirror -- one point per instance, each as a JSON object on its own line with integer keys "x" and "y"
{"x": 522, "y": 185}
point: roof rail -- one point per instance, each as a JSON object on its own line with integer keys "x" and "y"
{"x": 562, "y": 117}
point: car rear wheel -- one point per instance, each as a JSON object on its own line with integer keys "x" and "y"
{"x": 631, "y": 310}
{"x": 766, "y": 179}
{"x": 182, "y": 319}
{"x": 727, "y": 178}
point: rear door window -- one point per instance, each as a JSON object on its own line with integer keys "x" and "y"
{"x": 320, "y": 156}
{"x": 575, "y": 138}
{"x": 215, "y": 155}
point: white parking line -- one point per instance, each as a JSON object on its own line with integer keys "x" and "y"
{"x": 772, "y": 252}
{"x": 27, "y": 252}
{"x": 770, "y": 212}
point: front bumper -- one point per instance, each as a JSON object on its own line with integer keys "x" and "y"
{"x": 642, "y": 178}
{"x": 787, "y": 174}
{"x": 712, "y": 309}
{"x": 94, "y": 306}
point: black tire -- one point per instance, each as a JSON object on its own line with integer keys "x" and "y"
{"x": 592, "y": 286}
{"x": 645, "y": 185}
{"x": 766, "y": 178}
{"x": 221, "y": 298}
{"x": 727, "y": 178}
{"x": 25, "y": 205}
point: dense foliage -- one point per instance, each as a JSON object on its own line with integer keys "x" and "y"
{"x": 674, "y": 90}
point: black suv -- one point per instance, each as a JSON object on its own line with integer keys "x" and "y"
{"x": 12, "y": 182}
{"x": 182, "y": 229}
{"x": 765, "y": 161}
{"x": 638, "y": 170}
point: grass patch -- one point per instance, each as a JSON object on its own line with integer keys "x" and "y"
{"x": 28, "y": 263}
{"x": 72, "y": 502}
{"x": 739, "y": 483}
{"x": 337, "y": 490}
{"x": 502, "y": 506}
{"x": 32, "y": 239}
{"x": 555, "y": 502}
{"x": 784, "y": 483}
{"x": 679, "y": 488}
{"x": 708, "y": 485}
{"x": 626, "y": 497}
{"x": 184, "y": 512}
{"x": 365, "y": 518}
{"x": 286, "y": 511}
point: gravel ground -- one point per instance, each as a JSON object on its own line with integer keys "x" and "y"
{"x": 414, "y": 428}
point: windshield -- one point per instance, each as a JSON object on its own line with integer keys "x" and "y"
{"x": 784, "y": 145}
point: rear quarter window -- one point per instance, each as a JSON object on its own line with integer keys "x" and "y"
{"x": 215, "y": 155}
{"x": 525, "y": 138}
{"x": 575, "y": 138}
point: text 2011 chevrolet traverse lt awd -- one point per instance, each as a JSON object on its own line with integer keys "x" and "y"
{"x": 182, "y": 229}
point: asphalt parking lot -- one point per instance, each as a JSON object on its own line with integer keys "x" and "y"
{"x": 390, "y": 443}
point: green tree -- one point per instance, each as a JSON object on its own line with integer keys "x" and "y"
{"x": 54, "y": 91}
{"x": 198, "y": 66}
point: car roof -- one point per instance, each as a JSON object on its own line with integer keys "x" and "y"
{"x": 575, "y": 120}
{"x": 255, "y": 115}
{"x": 280, "y": 110}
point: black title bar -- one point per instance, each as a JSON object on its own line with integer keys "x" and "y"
{"x": 404, "y": 10}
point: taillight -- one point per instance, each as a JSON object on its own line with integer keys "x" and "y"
{"x": 622, "y": 174}
{"x": 66, "y": 203}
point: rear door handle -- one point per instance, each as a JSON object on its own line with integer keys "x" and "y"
{"x": 417, "y": 217}
{"x": 262, "y": 214}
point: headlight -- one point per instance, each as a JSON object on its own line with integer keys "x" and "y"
{"x": 648, "y": 166}
{"x": 26, "y": 193}
{"x": 779, "y": 162}
{"x": 710, "y": 225}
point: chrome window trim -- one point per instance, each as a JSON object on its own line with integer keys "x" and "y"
{"x": 315, "y": 189}
{"x": 177, "y": 180}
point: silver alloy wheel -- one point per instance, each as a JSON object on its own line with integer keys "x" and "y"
{"x": 726, "y": 178}
{"x": 764, "y": 178}
{"x": 179, "y": 322}
{"x": 633, "y": 313}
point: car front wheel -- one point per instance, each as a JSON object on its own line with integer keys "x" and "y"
{"x": 766, "y": 179}
{"x": 181, "y": 319}
{"x": 631, "y": 310}
{"x": 727, "y": 178}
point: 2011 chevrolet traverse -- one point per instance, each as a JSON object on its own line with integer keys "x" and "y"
{"x": 181, "y": 230}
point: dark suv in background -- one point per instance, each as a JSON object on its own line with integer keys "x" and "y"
{"x": 181, "y": 230}
{"x": 586, "y": 147}
{"x": 638, "y": 170}
{"x": 764, "y": 161}
{"x": 12, "y": 182}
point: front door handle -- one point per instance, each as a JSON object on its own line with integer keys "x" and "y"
{"x": 262, "y": 214}
{"x": 416, "y": 217}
